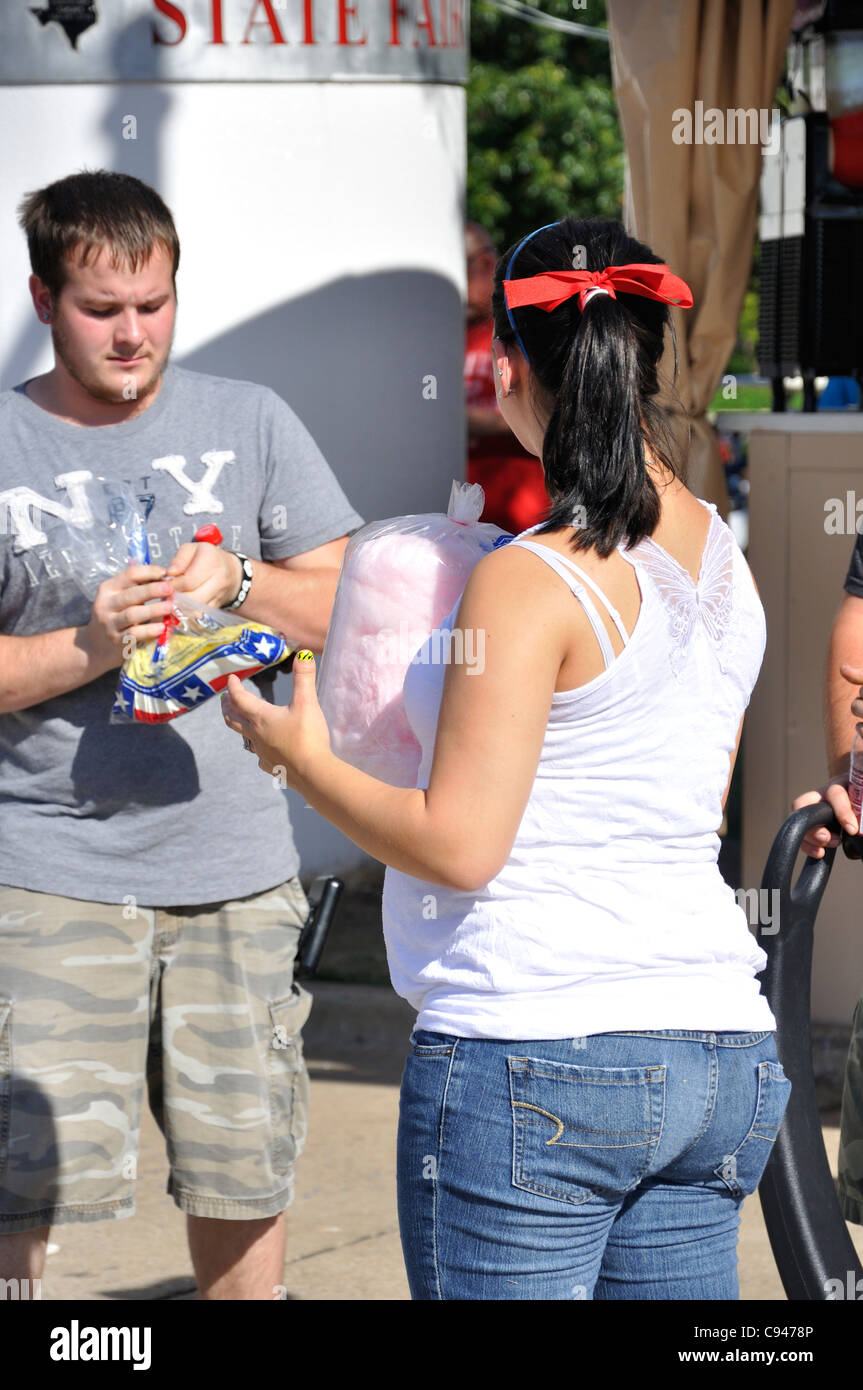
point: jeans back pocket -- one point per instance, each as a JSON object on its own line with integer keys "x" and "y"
{"x": 742, "y": 1170}
{"x": 426, "y": 1044}
{"x": 580, "y": 1132}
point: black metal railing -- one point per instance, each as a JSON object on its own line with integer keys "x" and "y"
{"x": 807, "y": 1230}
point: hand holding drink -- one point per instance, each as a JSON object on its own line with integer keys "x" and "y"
{"x": 845, "y": 794}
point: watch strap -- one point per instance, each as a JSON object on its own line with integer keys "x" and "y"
{"x": 243, "y": 591}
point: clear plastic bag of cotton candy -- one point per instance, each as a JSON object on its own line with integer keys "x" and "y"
{"x": 399, "y": 579}
{"x": 198, "y": 648}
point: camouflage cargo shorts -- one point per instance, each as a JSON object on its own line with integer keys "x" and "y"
{"x": 198, "y": 1005}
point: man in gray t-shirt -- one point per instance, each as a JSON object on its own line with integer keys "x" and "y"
{"x": 150, "y": 906}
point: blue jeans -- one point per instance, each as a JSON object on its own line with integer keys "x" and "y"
{"x": 608, "y": 1167}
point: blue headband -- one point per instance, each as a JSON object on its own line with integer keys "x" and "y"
{"x": 508, "y": 276}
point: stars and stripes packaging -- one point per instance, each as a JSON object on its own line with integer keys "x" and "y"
{"x": 199, "y": 647}
{"x": 191, "y": 662}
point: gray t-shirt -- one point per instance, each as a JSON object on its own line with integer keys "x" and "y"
{"x": 168, "y": 814}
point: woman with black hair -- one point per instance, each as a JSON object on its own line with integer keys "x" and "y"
{"x": 593, "y": 1086}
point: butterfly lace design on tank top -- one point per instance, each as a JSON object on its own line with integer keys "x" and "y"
{"x": 707, "y": 604}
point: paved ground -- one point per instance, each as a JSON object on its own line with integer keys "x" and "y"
{"x": 342, "y": 1230}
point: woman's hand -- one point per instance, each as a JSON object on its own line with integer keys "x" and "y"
{"x": 818, "y": 840}
{"x": 288, "y": 741}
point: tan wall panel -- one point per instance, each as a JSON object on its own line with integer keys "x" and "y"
{"x": 764, "y": 769}
{"x": 800, "y": 569}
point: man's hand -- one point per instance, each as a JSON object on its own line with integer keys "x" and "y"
{"x": 207, "y": 573}
{"x": 122, "y": 614}
{"x": 836, "y": 790}
{"x": 818, "y": 840}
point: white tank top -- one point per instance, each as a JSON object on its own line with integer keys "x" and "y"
{"x": 610, "y": 913}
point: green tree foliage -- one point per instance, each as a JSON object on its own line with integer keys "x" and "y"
{"x": 544, "y": 138}
{"x": 744, "y": 358}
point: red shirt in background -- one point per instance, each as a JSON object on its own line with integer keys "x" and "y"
{"x": 515, "y": 495}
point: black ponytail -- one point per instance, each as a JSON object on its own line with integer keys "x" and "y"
{"x": 597, "y": 368}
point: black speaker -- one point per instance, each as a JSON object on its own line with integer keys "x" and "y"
{"x": 811, "y": 271}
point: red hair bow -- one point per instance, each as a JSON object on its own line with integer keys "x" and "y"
{"x": 552, "y": 287}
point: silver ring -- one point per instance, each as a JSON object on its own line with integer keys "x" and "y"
{"x": 247, "y": 744}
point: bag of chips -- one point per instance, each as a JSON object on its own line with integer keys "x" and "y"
{"x": 198, "y": 648}
{"x": 191, "y": 661}
{"x": 399, "y": 579}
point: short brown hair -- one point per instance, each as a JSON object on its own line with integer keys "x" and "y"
{"x": 90, "y": 210}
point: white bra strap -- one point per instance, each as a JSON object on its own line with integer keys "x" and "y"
{"x": 546, "y": 553}
{"x": 586, "y": 579}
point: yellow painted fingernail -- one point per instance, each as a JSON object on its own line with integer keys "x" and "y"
{"x": 305, "y": 656}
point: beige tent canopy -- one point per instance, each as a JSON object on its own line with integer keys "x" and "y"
{"x": 696, "y": 202}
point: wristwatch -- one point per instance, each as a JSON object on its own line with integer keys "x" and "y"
{"x": 246, "y": 585}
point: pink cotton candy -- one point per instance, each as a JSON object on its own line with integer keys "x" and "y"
{"x": 399, "y": 579}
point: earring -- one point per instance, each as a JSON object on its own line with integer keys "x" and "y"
{"x": 46, "y": 317}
